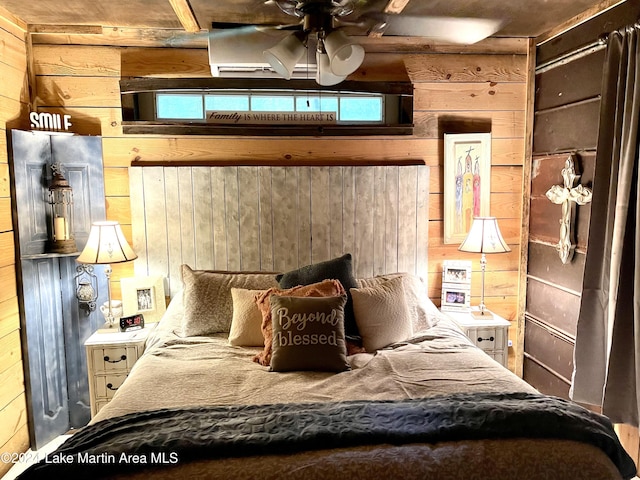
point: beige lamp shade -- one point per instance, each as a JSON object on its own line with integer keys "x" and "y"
{"x": 324, "y": 74}
{"x": 284, "y": 56}
{"x": 344, "y": 55}
{"x": 484, "y": 237}
{"x": 106, "y": 244}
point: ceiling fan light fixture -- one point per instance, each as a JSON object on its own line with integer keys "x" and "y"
{"x": 284, "y": 55}
{"x": 345, "y": 56}
{"x": 324, "y": 75}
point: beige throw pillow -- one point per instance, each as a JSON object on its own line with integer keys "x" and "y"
{"x": 247, "y": 319}
{"x": 382, "y": 314}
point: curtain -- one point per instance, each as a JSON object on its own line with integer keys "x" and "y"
{"x": 607, "y": 351}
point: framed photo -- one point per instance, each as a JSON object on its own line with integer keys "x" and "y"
{"x": 467, "y": 182}
{"x": 143, "y": 295}
{"x": 456, "y": 271}
{"x": 455, "y": 297}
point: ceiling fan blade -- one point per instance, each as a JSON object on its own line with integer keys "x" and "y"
{"x": 448, "y": 29}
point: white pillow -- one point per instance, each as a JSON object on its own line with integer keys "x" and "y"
{"x": 245, "y": 328}
{"x": 382, "y": 314}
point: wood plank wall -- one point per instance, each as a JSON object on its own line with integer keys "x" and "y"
{"x": 14, "y": 97}
{"x": 481, "y": 90}
{"x": 567, "y": 116}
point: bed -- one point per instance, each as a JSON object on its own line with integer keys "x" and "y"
{"x": 401, "y": 392}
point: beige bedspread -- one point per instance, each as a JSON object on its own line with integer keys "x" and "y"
{"x": 177, "y": 372}
{"x": 195, "y": 371}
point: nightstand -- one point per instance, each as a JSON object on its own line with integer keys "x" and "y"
{"x": 490, "y": 335}
{"x": 110, "y": 357}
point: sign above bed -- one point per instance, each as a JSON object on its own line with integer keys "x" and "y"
{"x": 271, "y": 118}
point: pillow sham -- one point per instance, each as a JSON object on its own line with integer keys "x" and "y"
{"x": 246, "y": 322}
{"x": 424, "y": 313}
{"x": 382, "y": 314}
{"x": 327, "y": 288}
{"x": 341, "y": 269}
{"x": 308, "y": 334}
{"x": 208, "y": 306}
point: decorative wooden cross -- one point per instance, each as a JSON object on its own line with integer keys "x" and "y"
{"x": 568, "y": 196}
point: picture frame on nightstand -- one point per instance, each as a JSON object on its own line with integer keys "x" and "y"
{"x": 456, "y": 286}
{"x": 143, "y": 295}
{"x": 455, "y": 298}
{"x": 456, "y": 271}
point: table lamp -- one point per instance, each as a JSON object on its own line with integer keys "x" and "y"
{"x": 106, "y": 245}
{"x": 484, "y": 237}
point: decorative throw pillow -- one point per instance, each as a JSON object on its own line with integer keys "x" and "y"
{"x": 338, "y": 268}
{"x": 382, "y": 314}
{"x": 328, "y": 288}
{"x": 208, "y": 306}
{"x": 308, "y": 334}
{"x": 247, "y": 319}
{"x": 424, "y": 313}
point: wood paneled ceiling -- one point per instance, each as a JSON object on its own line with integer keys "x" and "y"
{"x": 530, "y": 18}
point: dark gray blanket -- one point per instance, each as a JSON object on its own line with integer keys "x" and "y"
{"x": 174, "y": 436}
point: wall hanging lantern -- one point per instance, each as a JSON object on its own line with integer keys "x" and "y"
{"x": 86, "y": 288}
{"x": 61, "y": 201}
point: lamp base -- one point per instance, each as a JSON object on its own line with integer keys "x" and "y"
{"x": 108, "y": 328}
{"x": 481, "y": 314}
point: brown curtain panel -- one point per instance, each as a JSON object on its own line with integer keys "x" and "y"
{"x": 607, "y": 352}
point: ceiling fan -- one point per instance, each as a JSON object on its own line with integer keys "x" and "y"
{"x": 320, "y": 32}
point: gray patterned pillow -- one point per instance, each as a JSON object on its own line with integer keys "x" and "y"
{"x": 308, "y": 334}
{"x": 208, "y": 305}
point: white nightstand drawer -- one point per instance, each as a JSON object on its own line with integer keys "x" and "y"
{"x": 107, "y": 386}
{"x": 114, "y": 359}
{"x": 110, "y": 358}
{"x": 487, "y": 339}
{"x": 490, "y": 334}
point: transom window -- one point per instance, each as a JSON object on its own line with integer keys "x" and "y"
{"x": 348, "y": 107}
{"x": 264, "y": 106}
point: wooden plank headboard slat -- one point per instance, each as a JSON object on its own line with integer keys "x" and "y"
{"x": 279, "y": 218}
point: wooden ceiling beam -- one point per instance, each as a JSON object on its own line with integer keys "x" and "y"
{"x": 66, "y": 29}
{"x": 185, "y": 15}
{"x": 14, "y": 20}
{"x": 395, "y": 6}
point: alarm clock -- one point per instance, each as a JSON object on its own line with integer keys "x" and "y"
{"x": 133, "y": 322}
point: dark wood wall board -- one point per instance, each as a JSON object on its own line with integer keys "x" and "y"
{"x": 542, "y": 379}
{"x": 569, "y": 128}
{"x": 553, "y": 306}
{"x": 589, "y": 31}
{"x": 544, "y": 224}
{"x": 544, "y": 263}
{"x": 569, "y": 83}
{"x": 549, "y": 349}
{"x": 546, "y": 170}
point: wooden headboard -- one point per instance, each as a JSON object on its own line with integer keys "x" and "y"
{"x": 279, "y": 218}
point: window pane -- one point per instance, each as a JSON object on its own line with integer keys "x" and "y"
{"x": 271, "y": 104}
{"x": 361, "y": 109}
{"x": 226, "y": 102}
{"x": 316, "y": 104}
{"x": 180, "y": 106}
